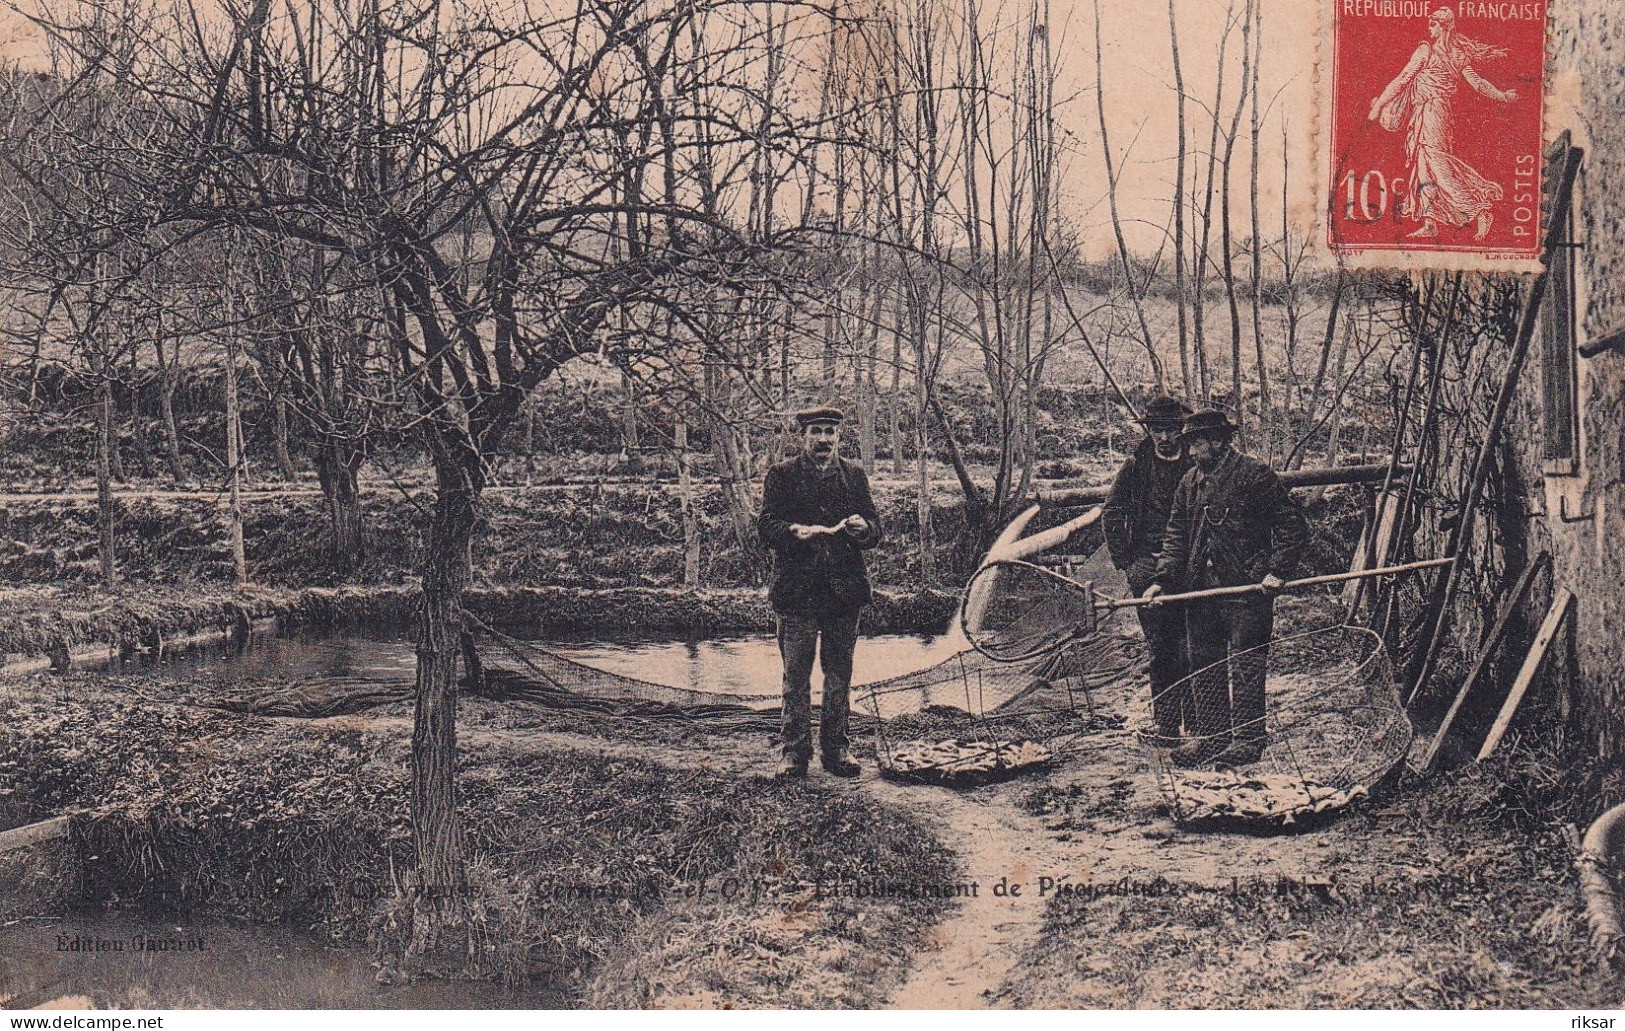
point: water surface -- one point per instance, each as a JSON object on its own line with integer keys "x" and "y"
{"x": 743, "y": 667}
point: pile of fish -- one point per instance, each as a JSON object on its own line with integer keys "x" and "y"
{"x": 961, "y": 762}
{"x": 1201, "y": 795}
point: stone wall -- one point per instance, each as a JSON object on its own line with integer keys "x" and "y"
{"x": 1584, "y": 515}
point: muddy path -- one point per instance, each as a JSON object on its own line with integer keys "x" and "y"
{"x": 970, "y": 952}
{"x": 1098, "y": 822}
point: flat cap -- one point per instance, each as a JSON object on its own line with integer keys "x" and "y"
{"x": 810, "y": 416}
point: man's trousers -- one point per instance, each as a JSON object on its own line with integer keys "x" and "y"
{"x": 832, "y": 638}
{"x": 1228, "y": 696}
{"x": 1164, "y": 629}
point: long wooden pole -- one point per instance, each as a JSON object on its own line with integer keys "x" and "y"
{"x": 1444, "y": 597}
{"x": 1290, "y": 585}
{"x": 1531, "y": 666}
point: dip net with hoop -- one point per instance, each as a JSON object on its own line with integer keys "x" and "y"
{"x": 1335, "y": 729}
{"x": 1335, "y": 726}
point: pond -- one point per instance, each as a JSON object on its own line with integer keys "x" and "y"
{"x": 746, "y": 668}
{"x": 123, "y": 960}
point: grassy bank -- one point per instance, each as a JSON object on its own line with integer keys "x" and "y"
{"x": 568, "y": 560}
{"x": 605, "y": 877}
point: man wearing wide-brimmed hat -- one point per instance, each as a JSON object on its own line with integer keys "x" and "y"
{"x": 1233, "y": 522}
{"x": 817, "y": 518}
{"x": 1135, "y": 517}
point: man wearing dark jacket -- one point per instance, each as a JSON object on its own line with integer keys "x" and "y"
{"x": 1135, "y": 517}
{"x": 1233, "y": 522}
{"x": 818, "y": 519}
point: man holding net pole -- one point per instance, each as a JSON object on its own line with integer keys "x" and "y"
{"x": 1233, "y": 523}
{"x": 817, "y": 518}
{"x": 1135, "y": 518}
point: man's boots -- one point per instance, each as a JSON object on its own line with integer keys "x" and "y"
{"x": 841, "y": 764}
{"x": 791, "y": 768}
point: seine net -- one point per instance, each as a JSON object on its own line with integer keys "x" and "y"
{"x": 1021, "y": 699}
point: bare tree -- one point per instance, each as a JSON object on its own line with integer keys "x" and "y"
{"x": 456, "y": 155}
{"x": 1180, "y": 144}
{"x": 1117, "y": 222}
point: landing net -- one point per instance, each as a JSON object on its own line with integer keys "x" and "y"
{"x": 1334, "y": 729}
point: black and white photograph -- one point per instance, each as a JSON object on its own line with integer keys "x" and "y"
{"x": 538, "y": 505}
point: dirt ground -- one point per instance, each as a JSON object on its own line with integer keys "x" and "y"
{"x": 1426, "y": 896}
{"x": 1087, "y": 893}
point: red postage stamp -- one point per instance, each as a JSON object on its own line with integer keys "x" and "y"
{"x": 1435, "y": 127}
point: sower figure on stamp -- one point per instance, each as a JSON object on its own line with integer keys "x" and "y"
{"x": 1233, "y": 522}
{"x": 1135, "y": 517}
{"x": 818, "y": 519}
{"x": 1421, "y": 98}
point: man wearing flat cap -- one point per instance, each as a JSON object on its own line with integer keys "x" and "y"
{"x": 818, "y": 519}
{"x": 1233, "y": 522}
{"x": 1135, "y": 517}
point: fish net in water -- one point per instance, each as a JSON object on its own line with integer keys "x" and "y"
{"x": 968, "y": 719}
{"x": 1335, "y": 730}
{"x": 961, "y": 722}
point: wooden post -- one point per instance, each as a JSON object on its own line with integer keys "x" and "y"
{"x": 234, "y": 459}
{"x": 691, "y": 522}
{"x": 1531, "y": 665}
{"x": 1445, "y": 595}
{"x": 1375, "y": 541}
{"x": 1486, "y": 653}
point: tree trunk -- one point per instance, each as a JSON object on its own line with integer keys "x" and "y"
{"x": 105, "y": 447}
{"x": 866, "y": 394}
{"x": 1334, "y": 437}
{"x": 922, "y": 447}
{"x": 1226, "y": 226}
{"x": 115, "y": 459}
{"x": 439, "y": 887}
{"x": 1256, "y": 247}
{"x": 279, "y": 426}
{"x": 1123, "y": 255}
{"x": 1202, "y": 249}
{"x": 234, "y": 471}
{"x": 894, "y": 426}
{"x": 685, "y": 495}
{"x": 342, "y": 493}
{"x": 166, "y": 406}
{"x": 1185, "y": 370}
{"x": 1328, "y": 340}
{"x": 629, "y": 414}
{"x": 143, "y": 453}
